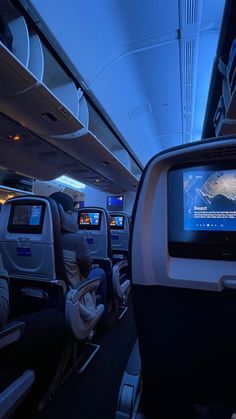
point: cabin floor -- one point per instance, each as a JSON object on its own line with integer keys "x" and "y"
{"x": 94, "y": 393}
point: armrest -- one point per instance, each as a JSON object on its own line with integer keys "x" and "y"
{"x": 13, "y": 395}
{"x": 120, "y": 266}
{"x": 11, "y": 333}
{"x": 121, "y": 290}
{"x": 129, "y": 393}
{"x": 60, "y": 283}
{"x": 81, "y": 328}
{"x": 41, "y": 289}
{"x": 75, "y": 294}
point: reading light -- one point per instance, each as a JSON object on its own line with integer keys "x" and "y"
{"x": 15, "y": 137}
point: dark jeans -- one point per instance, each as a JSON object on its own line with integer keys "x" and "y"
{"x": 102, "y": 288}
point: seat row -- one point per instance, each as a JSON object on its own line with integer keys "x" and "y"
{"x": 31, "y": 248}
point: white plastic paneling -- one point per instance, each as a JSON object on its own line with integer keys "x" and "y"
{"x": 14, "y": 77}
{"x": 59, "y": 83}
{"x": 152, "y": 106}
{"x": 88, "y": 149}
{"x": 83, "y": 112}
{"x": 123, "y": 157}
{"x": 40, "y": 111}
{"x": 100, "y": 32}
{"x": 36, "y": 59}
{"x": 20, "y": 46}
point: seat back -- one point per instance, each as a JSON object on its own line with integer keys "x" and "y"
{"x": 93, "y": 224}
{"x": 120, "y": 227}
{"x": 183, "y": 266}
{"x": 31, "y": 251}
{"x": 29, "y": 234}
{"x": 30, "y": 241}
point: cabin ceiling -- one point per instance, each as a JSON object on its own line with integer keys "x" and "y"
{"x": 145, "y": 64}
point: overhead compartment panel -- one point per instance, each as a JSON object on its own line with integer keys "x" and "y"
{"x": 40, "y": 111}
{"x": 90, "y": 151}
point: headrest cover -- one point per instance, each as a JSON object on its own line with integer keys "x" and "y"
{"x": 64, "y": 199}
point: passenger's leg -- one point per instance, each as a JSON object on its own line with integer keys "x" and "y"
{"x": 102, "y": 288}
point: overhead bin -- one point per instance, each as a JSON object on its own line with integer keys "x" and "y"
{"x": 225, "y": 116}
{"x": 40, "y": 111}
{"x": 59, "y": 83}
{"x": 219, "y": 115}
{"x": 20, "y": 45}
{"x": 90, "y": 151}
{"x": 30, "y": 102}
{"x": 14, "y": 48}
{"x": 34, "y": 157}
{"x": 83, "y": 112}
{"x": 37, "y": 93}
{"x": 36, "y": 58}
{"x": 14, "y": 32}
{"x": 123, "y": 156}
{"x": 14, "y": 78}
{"x": 35, "y": 90}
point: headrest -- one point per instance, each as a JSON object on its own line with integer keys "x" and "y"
{"x": 64, "y": 199}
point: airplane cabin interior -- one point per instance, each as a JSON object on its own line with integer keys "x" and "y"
{"x": 118, "y": 209}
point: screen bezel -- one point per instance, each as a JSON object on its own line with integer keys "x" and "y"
{"x": 200, "y": 244}
{"x": 112, "y": 227}
{"x": 89, "y": 226}
{"x": 115, "y": 207}
{"x": 26, "y": 228}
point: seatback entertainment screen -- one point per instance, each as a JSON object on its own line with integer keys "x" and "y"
{"x": 117, "y": 222}
{"x": 89, "y": 220}
{"x": 26, "y": 217}
{"x": 209, "y": 200}
{"x": 202, "y": 211}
